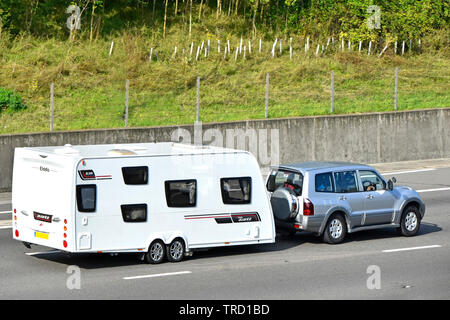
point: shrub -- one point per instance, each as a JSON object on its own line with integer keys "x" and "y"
{"x": 10, "y": 102}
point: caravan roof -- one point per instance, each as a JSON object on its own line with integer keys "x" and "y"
{"x": 132, "y": 149}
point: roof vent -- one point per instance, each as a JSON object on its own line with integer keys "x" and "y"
{"x": 67, "y": 149}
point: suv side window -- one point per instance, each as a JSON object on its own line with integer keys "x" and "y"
{"x": 371, "y": 181}
{"x": 324, "y": 182}
{"x": 346, "y": 181}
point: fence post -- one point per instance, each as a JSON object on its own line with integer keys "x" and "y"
{"x": 267, "y": 96}
{"x": 52, "y": 92}
{"x": 198, "y": 100}
{"x": 111, "y": 48}
{"x": 127, "y": 86}
{"x": 396, "y": 90}
{"x": 332, "y": 92}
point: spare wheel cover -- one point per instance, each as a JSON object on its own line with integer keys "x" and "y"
{"x": 284, "y": 203}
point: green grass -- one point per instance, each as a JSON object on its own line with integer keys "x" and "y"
{"x": 90, "y": 85}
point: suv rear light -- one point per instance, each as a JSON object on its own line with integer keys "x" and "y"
{"x": 308, "y": 207}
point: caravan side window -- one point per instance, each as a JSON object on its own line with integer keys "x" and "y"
{"x": 181, "y": 193}
{"x": 86, "y": 197}
{"x": 135, "y": 175}
{"x": 134, "y": 212}
{"x": 236, "y": 190}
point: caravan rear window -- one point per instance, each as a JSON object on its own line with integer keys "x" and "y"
{"x": 236, "y": 190}
{"x": 86, "y": 197}
{"x": 181, "y": 193}
{"x": 134, "y": 212}
{"x": 135, "y": 175}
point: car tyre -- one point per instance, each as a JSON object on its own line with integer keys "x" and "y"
{"x": 156, "y": 252}
{"x": 410, "y": 221}
{"x": 335, "y": 229}
{"x": 175, "y": 250}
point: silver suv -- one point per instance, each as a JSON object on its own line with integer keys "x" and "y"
{"x": 332, "y": 199}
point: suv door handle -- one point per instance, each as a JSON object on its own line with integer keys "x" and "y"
{"x": 342, "y": 198}
{"x": 370, "y": 196}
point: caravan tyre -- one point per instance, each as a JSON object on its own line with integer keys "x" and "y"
{"x": 175, "y": 250}
{"x": 156, "y": 252}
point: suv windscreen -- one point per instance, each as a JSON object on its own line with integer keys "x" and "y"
{"x": 288, "y": 179}
{"x": 346, "y": 181}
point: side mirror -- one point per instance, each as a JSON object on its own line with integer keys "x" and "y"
{"x": 394, "y": 180}
{"x": 390, "y": 184}
{"x": 271, "y": 183}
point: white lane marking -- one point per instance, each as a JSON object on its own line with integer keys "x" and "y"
{"x": 408, "y": 171}
{"x": 157, "y": 275}
{"x": 5, "y": 227}
{"x": 43, "y": 252}
{"x": 5, "y": 212}
{"x": 431, "y": 190}
{"x": 413, "y": 248}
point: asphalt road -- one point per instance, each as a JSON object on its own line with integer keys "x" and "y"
{"x": 300, "y": 267}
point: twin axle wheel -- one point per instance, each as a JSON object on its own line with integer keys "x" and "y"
{"x": 174, "y": 252}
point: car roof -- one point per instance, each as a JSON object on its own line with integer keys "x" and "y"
{"x": 319, "y": 165}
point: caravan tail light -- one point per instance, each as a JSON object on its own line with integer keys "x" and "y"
{"x": 65, "y": 221}
{"x": 65, "y": 244}
{"x": 308, "y": 207}
{"x": 16, "y": 233}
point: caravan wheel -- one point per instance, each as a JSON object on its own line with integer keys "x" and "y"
{"x": 156, "y": 252}
{"x": 175, "y": 250}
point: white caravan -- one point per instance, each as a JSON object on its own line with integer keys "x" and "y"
{"x": 161, "y": 199}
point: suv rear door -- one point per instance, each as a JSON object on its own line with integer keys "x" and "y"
{"x": 347, "y": 191}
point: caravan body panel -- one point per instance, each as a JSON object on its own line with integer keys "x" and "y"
{"x": 95, "y": 197}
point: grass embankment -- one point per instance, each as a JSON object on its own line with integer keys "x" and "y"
{"x": 90, "y": 84}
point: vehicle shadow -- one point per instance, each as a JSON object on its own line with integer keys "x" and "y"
{"x": 389, "y": 232}
{"x": 105, "y": 260}
{"x": 283, "y": 242}
{"x": 91, "y": 260}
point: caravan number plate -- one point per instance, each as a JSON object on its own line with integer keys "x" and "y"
{"x": 41, "y": 235}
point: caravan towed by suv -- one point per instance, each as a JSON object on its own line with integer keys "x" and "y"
{"x": 161, "y": 199}
{"x": 332, "y": 199}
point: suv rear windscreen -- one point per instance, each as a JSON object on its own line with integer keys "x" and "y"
{"x": 288, "y": 179}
